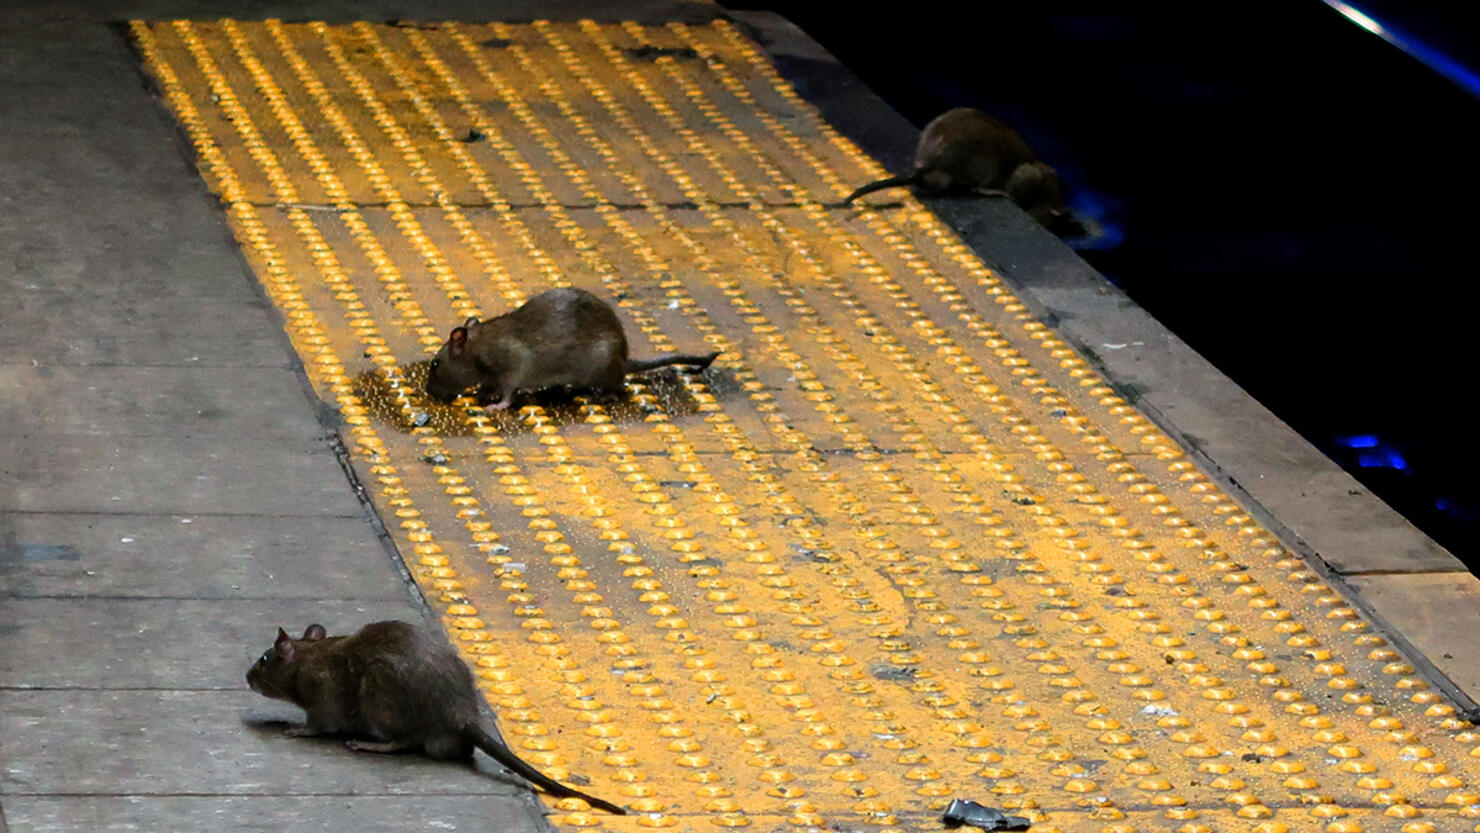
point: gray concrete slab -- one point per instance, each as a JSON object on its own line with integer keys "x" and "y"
{"x": 162, "y": 643}
{"x": 195, "y": 557}
{"x": 32, "y": 107}
{"x": 151, "y": 401}
{"x": 117, "y": 253}
{"x": 78, "y": 742}
{"x": 42, "y": 45}
{"x": 113, "y": 327}
{"x": 129, "y": 213}
{"x": 60, "y": 165}
{"x": 46, "y": 399}
{"x": 175, "y": 475}
{"x": 1440, "y": 615}
{"x": 192, "y": 814}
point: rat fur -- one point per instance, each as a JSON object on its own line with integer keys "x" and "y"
{"x": 967, "y": 151}
{"x": 401, "y": 685}
{"x": 560, "y": 337}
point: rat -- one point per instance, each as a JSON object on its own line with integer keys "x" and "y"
{"x": 392, "y": 681}
{"x": 559, "y": 337}
{"x": 966, "y": 150}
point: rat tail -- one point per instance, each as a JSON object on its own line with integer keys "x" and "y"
{"x": 891, "y": 182}
{"x": 503, "y": 755}
{"x": 644, "y": 365}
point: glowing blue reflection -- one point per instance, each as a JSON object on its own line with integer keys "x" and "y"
{"x": 1382, "y": 459}
{"x": 1375, "y": 453}
{"x": 1093, "y": 211}
{"x": 1427, "y": 55}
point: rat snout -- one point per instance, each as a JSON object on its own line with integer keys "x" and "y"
{"x": 440, "y": 388}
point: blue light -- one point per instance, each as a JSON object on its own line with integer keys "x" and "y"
{"x": 1425, "y": 54}
{"x": 1092, "y": 210}
{"x": 1383, "y": 459}
{"x": 1359, "y": 441}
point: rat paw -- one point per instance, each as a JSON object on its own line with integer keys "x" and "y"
{"x": 373, "y": 746}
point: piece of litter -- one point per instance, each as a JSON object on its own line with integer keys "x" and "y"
{"x": 961, "y": 812}
{"x": 126, "y": 540}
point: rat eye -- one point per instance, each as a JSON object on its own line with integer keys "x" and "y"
{"x": 263, "y": 659}
{"x": 434, "y": 364}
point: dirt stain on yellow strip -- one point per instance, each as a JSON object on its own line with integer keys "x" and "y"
{"x": 900, "y": 544}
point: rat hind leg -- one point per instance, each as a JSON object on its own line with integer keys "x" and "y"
{"x": 448, "y": 746}
{"x": 387, "y": 712}
{"x": 611, "y": 379}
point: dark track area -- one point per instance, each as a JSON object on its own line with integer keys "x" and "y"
{"x": 1291, "y": 195}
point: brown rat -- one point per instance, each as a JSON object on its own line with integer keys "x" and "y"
{"x": 966, "y": 150}
{"x": 397, "y": 683}
{"x": 560, "y": 337}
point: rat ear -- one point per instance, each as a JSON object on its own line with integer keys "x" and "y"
{"x": 315, "y": 631}
{"x": 284, "y": 644}
{"x": 457, "y": 340}
{"x": 471, "y": 321}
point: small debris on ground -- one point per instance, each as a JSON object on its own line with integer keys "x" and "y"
{"x": 893, "y": 673}
{"x": 653, "y": 53}
{"x": 961, "y": 811}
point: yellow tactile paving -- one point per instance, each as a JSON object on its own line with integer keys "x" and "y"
{"x": 902, "y": 545}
